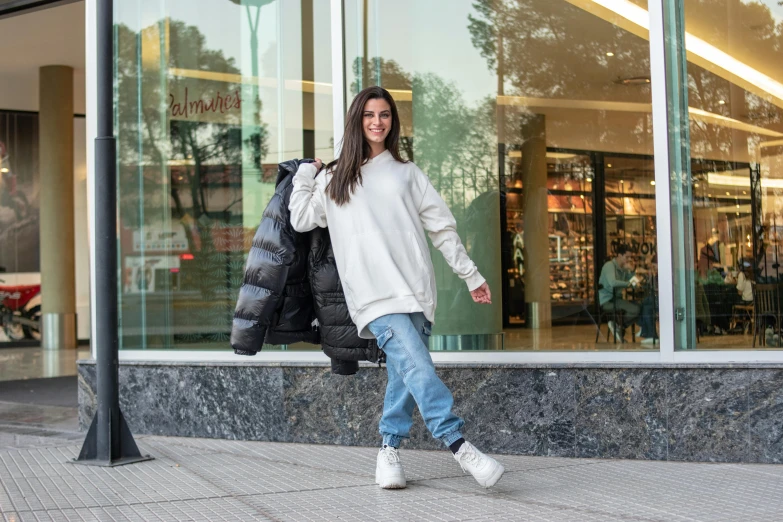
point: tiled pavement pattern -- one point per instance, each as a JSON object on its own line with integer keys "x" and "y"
{"x": 202, "y": 479}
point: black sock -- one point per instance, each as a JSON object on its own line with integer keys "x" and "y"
{"x": 456, "y": 445}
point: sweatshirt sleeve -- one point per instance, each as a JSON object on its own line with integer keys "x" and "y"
{"x": 442, "y": 228}
{"x": 307, "y": 200}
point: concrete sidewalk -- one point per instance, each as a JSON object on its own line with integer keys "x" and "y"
{"x": 204, "y": 479}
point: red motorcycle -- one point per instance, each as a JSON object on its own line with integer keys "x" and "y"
{"x": 20, "y": 311}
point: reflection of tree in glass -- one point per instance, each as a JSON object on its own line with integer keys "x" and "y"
{"x": 554, "y": 50}
{"x": 197, "y": 155}
{"x": 748, "y": 32}
{"x": 150, "y": 139}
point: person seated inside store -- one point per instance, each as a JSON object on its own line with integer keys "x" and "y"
{"x": 712, "y": 255}
{"x": 616, "y": 275}
{"x": 744, "y": 285}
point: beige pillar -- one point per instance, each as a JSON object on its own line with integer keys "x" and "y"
{"x": 536, "y": 232}
{"x": 58, "y": 275}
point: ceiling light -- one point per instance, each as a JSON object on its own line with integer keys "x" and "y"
{"x": 4, "y": 169}
{"x": 744, "y": 192}
{"x": 609, "y": 165}
{"x": 622, "y": 181}
{"x": 728, "y": 193}
{"x": 610, "y": 54}
{"x": 696, "y": 185}
{"x": 721, "y": 102}
{"x": 737, "y": 206}
{"x": 652, "y": 183}
{"x": 633, "y": 80}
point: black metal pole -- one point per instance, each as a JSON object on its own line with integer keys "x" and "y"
{"x": 109, "y": 441}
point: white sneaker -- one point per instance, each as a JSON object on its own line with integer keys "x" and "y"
{"x": 615, "y": 331}
{"x": 486, "y": 470}
{"x": 388, "y": 469}
{"x": 649, "y": 340}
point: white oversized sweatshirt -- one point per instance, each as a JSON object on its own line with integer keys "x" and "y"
{"x": 378, "y": 238}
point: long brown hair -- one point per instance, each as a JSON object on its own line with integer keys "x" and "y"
{"x": 356, "y": 151}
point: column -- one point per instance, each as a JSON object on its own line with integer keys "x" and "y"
{"x": 58, "y": 275}
{"x": 536, "y": 232}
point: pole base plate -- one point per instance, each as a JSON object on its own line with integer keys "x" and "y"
{"x": 122, "y": 448}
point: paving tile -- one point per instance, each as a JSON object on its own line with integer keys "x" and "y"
{"x": 200, "y": 479}
{"x": 41, "y": 479}
{"x": 419, "y": 464}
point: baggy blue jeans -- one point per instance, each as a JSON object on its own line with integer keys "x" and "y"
{"x": 412, "y": 381}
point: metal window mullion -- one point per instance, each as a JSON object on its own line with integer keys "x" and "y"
{"x": 338, "y": 72}
{"x": 662, "y": 181}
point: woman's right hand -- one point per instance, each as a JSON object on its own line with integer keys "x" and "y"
{"x": 317, "y": 164}
{"x": 482, "y": 295}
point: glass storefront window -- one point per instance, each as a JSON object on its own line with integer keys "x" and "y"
{"x": 20, "y": 188}
{"x": 735, "y": 109}
{"x": 534, "y": 122}
{"x": 211, "y": 96}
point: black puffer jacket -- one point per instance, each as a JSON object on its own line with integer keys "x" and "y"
{"x": 290, "y": 280}
{"x": 339, "y": 337}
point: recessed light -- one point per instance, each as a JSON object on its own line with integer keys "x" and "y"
{"x": 609, "y": 165}
{"x": 4, "y": 169}
{"x": 709, "y": 195}
{"x": 744, "y": 192}
{"x": 622, "y": 181}
{"x": 721, "y": 102}
{"x": 696, "y": 185}
{"x": 633, "y": 80}
{"x": 610, "y": 54}
{"x": 652, "y": 183}
{"x": 728, "y": 193}
{"x": 737, "y": 206}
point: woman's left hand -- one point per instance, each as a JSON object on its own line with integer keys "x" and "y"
{"x": 482, "y": 294}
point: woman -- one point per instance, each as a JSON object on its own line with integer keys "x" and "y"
{"x": 377, "y": 207}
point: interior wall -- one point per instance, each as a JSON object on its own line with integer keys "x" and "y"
{"x": 19, "y": 91}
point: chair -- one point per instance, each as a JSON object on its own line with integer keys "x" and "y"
{"x": 743, "y": 313}
{"x": 614, "y": 315}
{"x": 765, "y": 304}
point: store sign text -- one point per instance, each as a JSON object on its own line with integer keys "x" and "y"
{"x": 218, "y": 104}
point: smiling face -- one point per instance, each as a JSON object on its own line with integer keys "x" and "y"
{"x": 377, "y": 122}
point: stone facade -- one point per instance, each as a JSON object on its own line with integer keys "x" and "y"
{"x": 696, "y": 413}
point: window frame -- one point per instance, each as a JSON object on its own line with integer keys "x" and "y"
{"x": 671, "y": 350}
